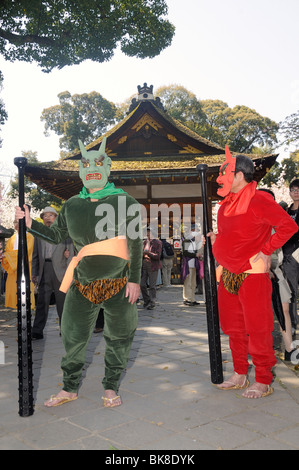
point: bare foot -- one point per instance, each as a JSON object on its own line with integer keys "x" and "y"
{"x": 258, "y": 390}
{"x": 235, "y": 382}
{"x": 61, "y": 398}
{"x": 111, "y": 399}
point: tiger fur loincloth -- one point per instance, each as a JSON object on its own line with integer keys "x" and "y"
{"x": 232, "y": 282}
{"x": 100, "y": 290}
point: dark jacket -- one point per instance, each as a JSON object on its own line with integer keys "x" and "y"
{"x": 293, "y": 243}
{"x": 154, "y": 254}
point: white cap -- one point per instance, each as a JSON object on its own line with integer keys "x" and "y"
{"x": 48, "y": 209}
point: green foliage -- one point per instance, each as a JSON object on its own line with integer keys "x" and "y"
{"x": 289, "y": 129}
{"x": 273, "y": 175}
{"x": 248, "y": 129}
{"x": 83, "y": 117}
{"x": 3, "y": 113}
{"x": 182, "y": 105}
{"x": 67, "y": 32}
{"x": 39, "y": 197}
{"x": 216, "y": 121}
{"x": 240, "y": 127}
{"x": 289, "y": 168}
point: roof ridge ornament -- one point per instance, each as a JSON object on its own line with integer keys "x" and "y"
{"x": 145, "y": 92}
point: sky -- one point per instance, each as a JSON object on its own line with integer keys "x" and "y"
{"x": 238, "y": 51}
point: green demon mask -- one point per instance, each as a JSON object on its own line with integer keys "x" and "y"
{"x": 94, "y": 166}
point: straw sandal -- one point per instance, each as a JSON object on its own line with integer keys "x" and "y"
{"x": 57, "y": 401}
{"x": 233, "y": 385}
{"x": 259, "y": 393}
{"x": 109, "y": 402}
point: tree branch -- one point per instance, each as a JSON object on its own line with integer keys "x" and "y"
{"x": 18, "y": 40}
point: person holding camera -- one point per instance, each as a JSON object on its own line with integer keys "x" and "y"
{"x": 190, "y": 265}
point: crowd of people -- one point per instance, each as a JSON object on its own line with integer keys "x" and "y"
{"x": 158, "y": 261}
{"x": 106, "y": 281}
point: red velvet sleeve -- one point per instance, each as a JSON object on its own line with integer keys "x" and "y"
{"x": 278, "y": 218}
{"x": 242, "y": 236}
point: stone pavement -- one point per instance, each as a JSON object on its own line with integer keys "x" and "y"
{"x": 169, "y": 402}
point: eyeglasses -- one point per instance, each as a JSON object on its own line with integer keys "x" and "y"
{"x": 294, "y": 190}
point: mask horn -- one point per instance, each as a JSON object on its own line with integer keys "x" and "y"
{"x": 82, "y": 149}
{"x": 103, "y": 146}
{"x": 228, "y": 154}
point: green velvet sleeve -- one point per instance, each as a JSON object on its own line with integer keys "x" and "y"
{"x": 55, "y": 234}
{"x": 78, "y": 220}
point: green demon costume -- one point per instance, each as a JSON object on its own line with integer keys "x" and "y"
{"x": 104, "y": 224}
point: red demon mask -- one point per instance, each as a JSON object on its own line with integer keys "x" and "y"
{"x": 226, "y": 174}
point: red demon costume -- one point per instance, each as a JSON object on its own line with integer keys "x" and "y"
{"x": 245, "y": 222}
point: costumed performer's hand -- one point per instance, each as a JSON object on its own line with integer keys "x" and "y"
{"x": 271, "y": 275}
{"x": 132, "y": 291}
{"x": 20, "y": 214}
{"x": 212, "y": 236}
{"x": 265, "y": 258}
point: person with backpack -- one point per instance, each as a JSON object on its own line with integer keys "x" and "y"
{"x": 151, "y": 263}
{"x": 167, "y": 262}
{"x": 190, "y": 266}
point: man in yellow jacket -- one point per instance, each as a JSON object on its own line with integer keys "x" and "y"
{"x": 10, "y": 264}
